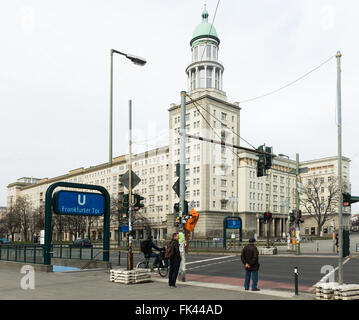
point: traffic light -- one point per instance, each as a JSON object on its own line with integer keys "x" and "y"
{"x": 125, "y": 205}
{"x": 299, "y": 216}
{"x": 346, "y": 199}
{"x": 346, "y": 243}
{"x": 268, "y": 158}
{"x": 267, "y": 216}
{"x": 260, "y": 162}
{"x": 138, "y": 205}
{"x": 176, "y": 212}
{"x": 185, "y": 211}
{"x": 260, "y": 169}
{"x": 296, "y": 216}
{"x": 185, "y": 216}
{"x": 177, "y": 208}
{"x": 291, "y": 216}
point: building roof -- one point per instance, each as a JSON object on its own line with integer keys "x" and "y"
{"x": 204, "y": 30}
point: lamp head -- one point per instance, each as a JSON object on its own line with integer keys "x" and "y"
{"x": 136, "y": 60}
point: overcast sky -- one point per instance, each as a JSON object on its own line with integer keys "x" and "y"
{"x": 55, "y": 76}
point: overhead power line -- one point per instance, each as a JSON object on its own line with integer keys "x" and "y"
{"x": 289, "y": 84}
{"x": 235, "y": 133}
{"x": 214, "y": 131}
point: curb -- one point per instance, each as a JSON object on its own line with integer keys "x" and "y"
{"x": 274, "y": 293}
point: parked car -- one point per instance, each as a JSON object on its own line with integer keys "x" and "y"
{"x": 4, "y": 241}
{"x": 83, "y": 243}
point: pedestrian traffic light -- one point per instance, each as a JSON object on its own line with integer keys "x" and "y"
{"x": 346, "y": 199}
{"x": 138, "y": 205}
{"x": 125, "y": 205}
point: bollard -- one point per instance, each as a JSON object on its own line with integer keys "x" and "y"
{"x": 296, "y": 280}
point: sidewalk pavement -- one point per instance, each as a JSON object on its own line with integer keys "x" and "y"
{"x": 95, "y": 285}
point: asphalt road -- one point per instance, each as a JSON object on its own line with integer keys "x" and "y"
{"x": 276, "y": 271}
{"x": 280, "y": 269}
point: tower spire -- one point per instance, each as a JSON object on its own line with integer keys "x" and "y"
{"x": 205, "y": 13}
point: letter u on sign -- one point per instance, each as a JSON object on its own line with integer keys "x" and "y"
{"x": 83, "y": 202}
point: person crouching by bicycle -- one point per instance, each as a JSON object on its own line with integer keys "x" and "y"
{"x": 149, "y": 253}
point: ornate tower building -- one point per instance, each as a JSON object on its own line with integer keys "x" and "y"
{"x": 211, "y": 169}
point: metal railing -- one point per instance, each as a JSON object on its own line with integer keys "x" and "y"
{"x": 193, "y": 244}
{"x": 22, "y": 253}
{"x": 35, "y": 253}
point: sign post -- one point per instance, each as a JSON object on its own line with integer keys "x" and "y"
{"x": 76, "y": 203}
{"x": 231, "y": 223}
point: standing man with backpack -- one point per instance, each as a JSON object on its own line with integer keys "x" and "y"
{"x": 174, "y": 256}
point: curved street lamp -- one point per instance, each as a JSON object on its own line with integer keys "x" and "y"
{"x": 136, "y": 60}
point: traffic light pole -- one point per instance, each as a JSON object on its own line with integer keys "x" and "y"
{"x": 269, "y": 208}
{"x": 340, "y": 194}
{"x": 130, "y": 209}
{"x": 182, "y": 269}
{"x": 297, "y": 228}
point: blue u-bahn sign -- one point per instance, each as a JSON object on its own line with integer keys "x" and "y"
{"x": 79, "y": 203}
{"x": 234, "y": 224}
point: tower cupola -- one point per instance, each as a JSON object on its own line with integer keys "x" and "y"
{"x": 205, "y": 70}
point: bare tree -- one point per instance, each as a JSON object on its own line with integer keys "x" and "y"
{"x": 23, "y": 211}
{"x": 76, "y": 225}
{"x": 320, "y": 199}
{"x": 10, "y": 223}
{"x": 36, "y": 221}
{"x": 59, "y": 223}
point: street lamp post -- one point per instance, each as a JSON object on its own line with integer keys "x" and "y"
{"x": 340, "y": 194}
{"x": 141, "y": 62}
{"x": 135, "y": 60}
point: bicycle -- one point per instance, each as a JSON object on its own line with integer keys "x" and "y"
{"x": 147, "y": 264}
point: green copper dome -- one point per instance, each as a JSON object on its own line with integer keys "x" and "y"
{"x": 204, "y": 29}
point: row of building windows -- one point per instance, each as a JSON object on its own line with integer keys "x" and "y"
{"x": 204, "y": 51}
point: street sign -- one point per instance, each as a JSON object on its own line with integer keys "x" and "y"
{"x": 124, "y": 229}
{"x": 233, "y": 224}
{"x": 176, "y": 187}
{"x": 79, "y": 203}
{"x": 125, "y": 179}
